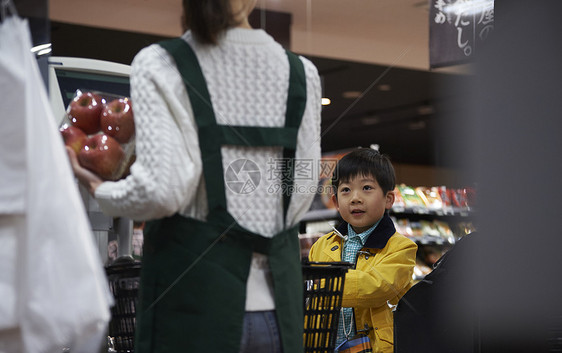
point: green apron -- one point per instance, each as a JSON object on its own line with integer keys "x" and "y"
{"x": 193, "y": 280}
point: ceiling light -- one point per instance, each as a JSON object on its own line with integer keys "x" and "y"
{"x": 426, "y": 110}
{"x": 418, "y": 125}
{"x": 326, "y": 101}
{"x": 370, "y": 120}
{"x": 351, "y": 94}
{"x": 43, "y": 52}
{"x": 384, "y": 87}
{"x": 41, "y": 49}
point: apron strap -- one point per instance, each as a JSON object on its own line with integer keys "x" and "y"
{"x": 296, "y": 103}
{"x": 193, "y": 78}
{"x": 212, "y": 136}
{"x": 251, "y": 135}
{"x": 296, "y": 100}
{"x": 204, "y": 115}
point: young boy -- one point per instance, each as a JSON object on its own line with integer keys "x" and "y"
{"x": 363, "y": 185}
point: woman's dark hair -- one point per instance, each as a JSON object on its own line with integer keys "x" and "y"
{"x": 208, "y": 19}
{"x": 366, "y": 162}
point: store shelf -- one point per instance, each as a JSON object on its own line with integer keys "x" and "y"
{"x": 453, "y": 215}
{"x": 452, "y": 211}
{"x": 332, "y": 213}
{"x": 433, "y": 240}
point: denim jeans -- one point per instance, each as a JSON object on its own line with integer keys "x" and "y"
{"x": 260, "y": 333}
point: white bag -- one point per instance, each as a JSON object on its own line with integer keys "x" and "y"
{"x": 63, "y": 297}
{"x": 12, "y": 173}
{"x": 12, "y": 133}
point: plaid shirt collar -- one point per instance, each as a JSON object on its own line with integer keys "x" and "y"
{"x": 362, "y": 236}
{"x": 379, "y": 236}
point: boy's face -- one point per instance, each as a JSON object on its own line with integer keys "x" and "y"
{"x": 361, "y": 202}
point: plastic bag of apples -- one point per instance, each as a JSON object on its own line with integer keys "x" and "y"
{"x": 100, "y": 128}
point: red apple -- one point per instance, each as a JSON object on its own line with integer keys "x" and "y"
{"x": 84, "y": 112}
{"x": 117, "y": 119}
{"x": 102, "y": 155}
{"x": 73, "y": 137}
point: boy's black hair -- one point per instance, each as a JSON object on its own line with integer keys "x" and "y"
{"x": 368, "y": 162}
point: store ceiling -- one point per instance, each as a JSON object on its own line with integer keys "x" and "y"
{"x": 372, "y": 56}
{"x": 406, "y": 112}
{"x": 383, "y": 32}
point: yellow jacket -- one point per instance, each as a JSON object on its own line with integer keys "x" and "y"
{"x": 382, "y": 275}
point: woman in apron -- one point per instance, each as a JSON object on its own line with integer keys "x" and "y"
{"x": 227, "y": 163}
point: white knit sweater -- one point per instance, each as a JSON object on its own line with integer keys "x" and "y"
{"x": 247, "y": 77}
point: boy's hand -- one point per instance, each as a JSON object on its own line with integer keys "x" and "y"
{"x": 90, "y": 180}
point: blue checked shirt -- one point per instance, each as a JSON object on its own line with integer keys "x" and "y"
{"x": 351, "y": 246}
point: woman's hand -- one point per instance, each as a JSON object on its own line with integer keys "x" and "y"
{"x": 90, "y": 180}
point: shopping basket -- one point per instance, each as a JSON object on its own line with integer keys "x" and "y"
{"x": 323, "y": 291}
{"x": 124, "y": 279}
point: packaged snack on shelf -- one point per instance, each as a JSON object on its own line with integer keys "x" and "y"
{"x": 417, "y": 229}
{"x": 444, "y": 230}
{"x": 429, "y": 229}
{"x": 403, "y": 226}
{"x": 411, "y": 199}
{"x": 458, "y": 198}
{"x": 470, "y": 196}
{"x": 430, "y": 197}
{"x": 100, "y": 128}
{"x": 399, "y": 204}
{"x": 445, "y": 199}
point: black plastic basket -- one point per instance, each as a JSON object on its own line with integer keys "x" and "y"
{"x": 124, "y": 279}
{"x": 323, "y": 291}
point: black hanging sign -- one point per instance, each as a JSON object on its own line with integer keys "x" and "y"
{"x": 457, "y": 28}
